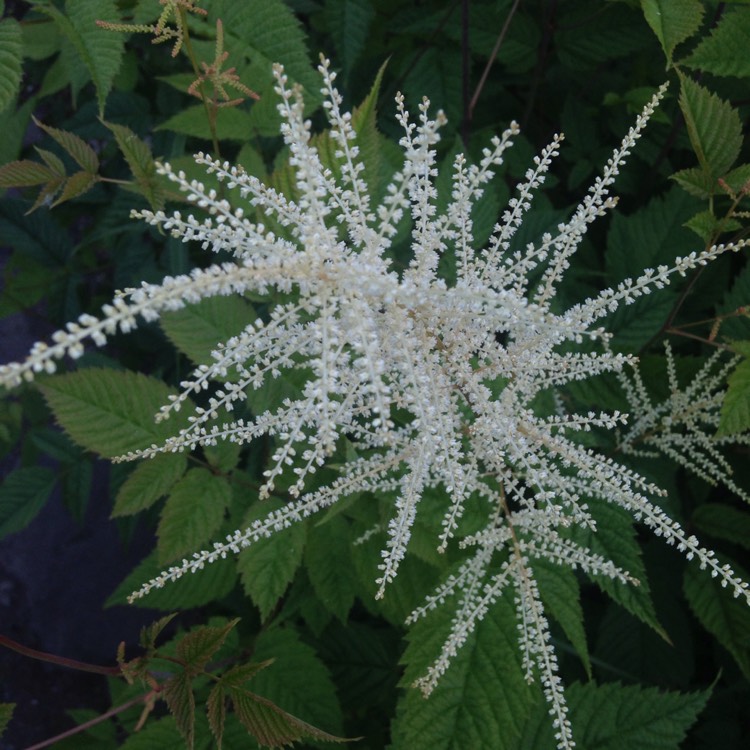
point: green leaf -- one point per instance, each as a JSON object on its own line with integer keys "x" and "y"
{"x": 724, "y": 522}
{"x": 192, "y": 513}
{"x": 42, "y": 240}
{"x": 149, "y": 633}
{"x": 197, "y": 589}
{"x": 265, "y": 32}
{"x": 79, "y": 150}
{"x": 268, "y": 566}
{"x": 720, "y": 612}
{"x": 618, "y": 717}
{"x": 672, "y": 22}
{"x": 100, "y": 52}
{"x": 371, "y": 143}
{"x": 23, "y": 494}
{"x": 349, "y": 22}
{"x": 561, "y": 596}
{"x": 10, "y": 61}
{"x": 197, "y": 647}
{"x": 650, "y": 236}
{"x": 708, "y": 227}
{"x": 111, "y": 412}
{"x": 157, "y": 733}
{"x": 151, "y": 479}
{"x": 24, "y": 174}
{"x": 696, "y": 182}
{"x": 138, "y": 156}
{"x": 615, "y": 539}
{"x": 735, "y": 409}
{"x": 312, "y": 699}
{"x": 713, "y": 125}
{"x": 77, "y": 184}
{"x": 738, "y": 178}
{"x": 178, "y": 693}
{"x": 6, "y": 712}
{"x": 482, "y": 701}
{"x": 329, "y": 565}
{"x": 635, "y": 324}
{"x": 724, "y": 51}
{"x": 271, "y": 725}
{"x": 236, "y": 677}
{"x": 232, "y": 124}
{"x": 196, "y": 330}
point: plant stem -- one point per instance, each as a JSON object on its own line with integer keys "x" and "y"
{"x": 61, "y": 661}
{"x": 93, "y": 722}
{"x": 191, "y": 55}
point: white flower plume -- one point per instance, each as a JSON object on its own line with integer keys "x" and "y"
{"x": 465, "y": 361}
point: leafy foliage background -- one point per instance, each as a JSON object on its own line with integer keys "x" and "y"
{"x": 663, "y": 666}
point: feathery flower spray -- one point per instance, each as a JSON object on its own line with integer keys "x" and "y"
{"x": 379, "y": 344}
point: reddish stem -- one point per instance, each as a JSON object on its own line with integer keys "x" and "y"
{"x": 61, "y": 661}
{"x": 93, "y": 722}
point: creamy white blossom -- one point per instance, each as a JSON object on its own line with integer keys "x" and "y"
{"x": 466, "y": 361}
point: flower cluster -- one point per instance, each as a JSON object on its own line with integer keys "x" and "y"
{"x": 466, "y": 361}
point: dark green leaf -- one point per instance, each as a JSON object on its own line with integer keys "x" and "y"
{"x": 349, "y": 21}
{"x": 6, "y": 712}
{"x": 561, "y": 596}
{"x": 197, "y": 589}
{"x": 672, "y": 22}
{"x": 329, "y": 565}
{"x": 735, "y": 409}
{"x": 618, "y": 717}
{"x": 312, "y": 699}
{"x": 23, "y": 494}
{"x": 101, "y": 52}
{"x": 724, "y": 51}
{"x": 726, "y": 617}
{"x": 713, "y": 126}
{"x": 724, "y": 522}
{"x": 10, "y": 61}
{"x": 232, "y": 124}
{"x": 615, "y": 540}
